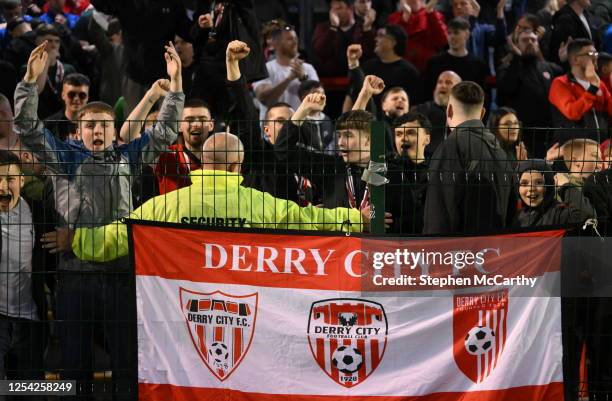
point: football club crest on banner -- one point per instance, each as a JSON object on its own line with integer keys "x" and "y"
{"x": 479, "y": 332}
{"x": 221, "y": 327}
{"x": 347, "y": 338}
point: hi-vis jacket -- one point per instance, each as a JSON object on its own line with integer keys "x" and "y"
{"x": 215, "y": 198}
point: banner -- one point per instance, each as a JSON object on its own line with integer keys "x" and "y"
{"x": 259, "y": 316}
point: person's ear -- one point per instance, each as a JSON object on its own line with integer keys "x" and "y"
{"x": 482, "y": 113}
{"x": 21, "y": 181}
{"x": 427, "y": 139}
{"x": 449, "y": 111}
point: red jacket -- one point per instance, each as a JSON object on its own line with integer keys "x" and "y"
{"x": 427, "y": 35}
{"x": 173, "y": 168}
{"x": 574, "y": 102}
{"x": 72, "y": 7}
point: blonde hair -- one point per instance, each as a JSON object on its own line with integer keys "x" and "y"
{"x": 575, "y": 150}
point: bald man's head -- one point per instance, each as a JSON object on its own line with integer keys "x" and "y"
{"x": 446, "y": 81}
{"x": 223, "y": 151}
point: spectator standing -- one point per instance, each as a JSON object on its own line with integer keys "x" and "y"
{"x": 106, "y": 35}
{"x": 173, "y": 167}
{"x": 75, "y": 94}
{"x": 524, "y": 85}
{"x": 482, "y": 35}
{"x": 49, "y": 83}
{"x": 579, "y": 98}
{"x": 332, "y": 38}
{"x": 505, "y": 125}
{"x": 147, "y": 26}
{"x": 470, "y": 189}
{"x": 318, "y": 129}
{"x": 540, "y": 208}
{"x": 185, "y": 52}
{"x": 412, "y": 136}
{"x": 285, "y": 72}
{"x": 457, "y": 58}
{"x": 426, "y": 30}
{"x": 388, "y": 65}
{"x": 21, "y": 332}
{"x": 435, "y": 110}
{"x": 364, "y": 11}
{"x": 84, "y": 172}
{"x": 572, "y": 21}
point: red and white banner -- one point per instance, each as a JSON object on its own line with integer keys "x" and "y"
{"x": 244, "y": 316}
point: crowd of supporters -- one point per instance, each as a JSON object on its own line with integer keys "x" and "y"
{"x": 492, "y": 116}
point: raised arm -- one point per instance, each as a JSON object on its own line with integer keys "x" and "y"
{"x": 29, "y": 128}
{"x": 165, "y": 130}
{"x": 243, "y": 116}
{"x": 132, "y": 126}
{"x": 372, "y": 85}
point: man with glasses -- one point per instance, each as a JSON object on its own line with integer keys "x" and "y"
{"x": 75, "y": 94}
{"x": 579, "y": 98}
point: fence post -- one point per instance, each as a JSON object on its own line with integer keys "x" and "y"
{"x": 377, "y": 154}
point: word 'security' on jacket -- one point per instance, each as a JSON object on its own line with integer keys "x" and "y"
{"x": 214, "y": 198}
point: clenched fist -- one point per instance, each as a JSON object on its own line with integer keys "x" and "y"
{"x": 237, "y": 50}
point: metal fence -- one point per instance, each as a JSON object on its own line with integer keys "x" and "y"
{"x": 78, "y": 319}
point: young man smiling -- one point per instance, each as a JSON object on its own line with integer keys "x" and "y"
{"x": 92, "y": 188}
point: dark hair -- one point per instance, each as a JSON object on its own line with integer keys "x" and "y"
{"x": 76, "y": 79}
{"x": 468, "y": 93}
{"x": 532, "y": 19}
{"x": 277, "y": 105}
{"x": 308, "y": 86}
{"x": 460, "y": 24}
{"x": 195, "y": 102}
{"x": 576, "y": 45}
{"x": 355, "y": 119}
{"x": 496, "y": 116}
{"x": 97, "y": 107}
{"x": 46, "y": 29}
{"x": 412, "y": 116}
{"x": 7, "y": 157}
{"x": 14, "y": 23}
{"x": 392, "y": 90}
{"x": 400, "y": 37}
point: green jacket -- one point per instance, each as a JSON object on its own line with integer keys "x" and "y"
{"x": 215, "y": 198}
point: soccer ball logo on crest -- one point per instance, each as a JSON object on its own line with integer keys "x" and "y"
{"x": 218, "y": 354}
{"x": 347, "y": 360}
{"x": 479, "y": 340}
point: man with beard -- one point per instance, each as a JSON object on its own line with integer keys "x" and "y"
{"x": 524, "y": 86}
{"x": 173, "y": 167}
{"x": 286, "y": 72}
{"x": 435, "y": 110}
